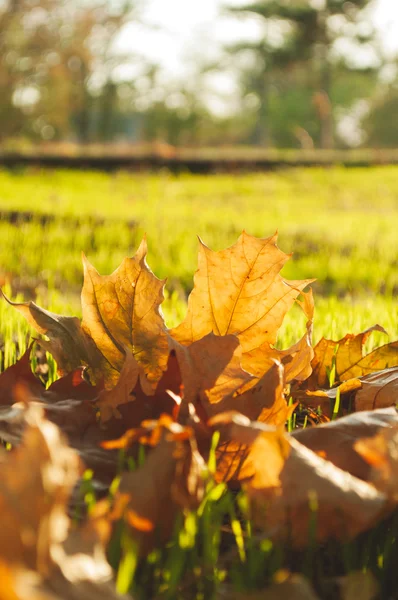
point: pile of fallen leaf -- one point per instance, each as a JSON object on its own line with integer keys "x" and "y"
{"x": 126, "y": 379}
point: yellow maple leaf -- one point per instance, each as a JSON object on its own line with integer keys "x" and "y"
{"x": 121, "y": 311}
{"x": 240, "y": 291}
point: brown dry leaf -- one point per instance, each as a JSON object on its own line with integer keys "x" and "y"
{"x": 325, "y": 399}
{"x": 239, "y": 291}
{"x": 68, "y": 343}
{"x": 358, "y": 585}
{"x": 171, "y": 479}
{"x": 127, "y": 404}
{"x": 381, "y": 453}
{"x": 378, "y": 390}
{"x": 122, "y": 311}
{"x": 381, "y": 358}
{"x": 109, "y": 401}
{"x": 81, "y": 572}
{"x": 78, "y": 420}
{"x": 235, "y": 458}
{"x": 291, "y": 587}
{"x": 28, "y": 585}
{"x": 68, "y": 402}
{"x": 19, "y": 374}
{"x": 298, "y": 358}
{"x": 41, "y": 557}
{"x": 293, "y": 487}
{"x": 336, "y": 440}
{"x": 265, "y": 403}
{"x": 371, "y": 392}
{"x": 210, "y": 371}
{"x": 349, "y": 357}
{"x": 313, "y": 489}
{"x": 36, "y": 482}
{"x": 7, "y": 589}
{"x": 21, "y": 584}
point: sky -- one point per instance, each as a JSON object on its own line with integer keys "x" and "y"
{"x": 178, "y": 33}
{"x": 179, "y": 25}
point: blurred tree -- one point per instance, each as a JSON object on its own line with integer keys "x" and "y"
{"x": 58, "y": 66}
{"x": 380, "y": 123}
{"x": 306, "y": 44}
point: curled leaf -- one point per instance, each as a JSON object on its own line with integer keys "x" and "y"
{"x": 68, "y": 343}
{"x": 290, "y": 487}
{"x": 336, "y": 441}
{"x": 371, "y": 392}
{"x": 381, "y": 453}
{"x": 121, "y": 311}
{"x": 378, "y": 390}
{"x": 348, "y": 356}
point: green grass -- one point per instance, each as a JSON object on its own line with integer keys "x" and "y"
{"x": 334, "y": 317}
{"x": 340, "y": 223}
{"x": 342, "y": 226}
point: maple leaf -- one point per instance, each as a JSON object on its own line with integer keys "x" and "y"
{"x": 208, "y": 371}
{"x": 239, "y": 291}
{"x": 121, "y": 315}
{"x": 68, "y": 343}
{"x": 349, "y": 358}
{"x": 121, "y": 311}
{"x": 298, "y": 358}
{"x": 265, "y": 402}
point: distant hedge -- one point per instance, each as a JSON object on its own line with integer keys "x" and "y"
{"x": 202, "y": 160}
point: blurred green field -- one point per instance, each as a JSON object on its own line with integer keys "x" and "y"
{"x": 341, "y": 224}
